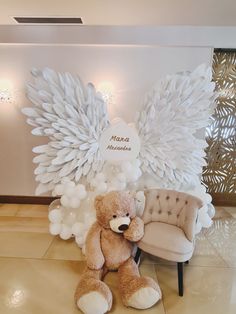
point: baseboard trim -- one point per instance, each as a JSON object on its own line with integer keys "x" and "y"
{"x": 218, "y": 199}
{"x": 223, "y": 199}
{"x": 20, "y": 199}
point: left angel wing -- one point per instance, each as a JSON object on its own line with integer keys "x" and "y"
{"x": 173, "y": 112}
{"x": 72, "y": 116}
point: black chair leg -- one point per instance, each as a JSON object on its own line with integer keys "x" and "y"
{"x": 137, "y": 255}
{"x": 180, "y": 278}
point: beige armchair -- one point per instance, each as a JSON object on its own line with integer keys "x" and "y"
{"x": 170, "y": 218}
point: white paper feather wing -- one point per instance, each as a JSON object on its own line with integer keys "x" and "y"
{"x": 73, "y": 117}
{"x": 173, "y": 112}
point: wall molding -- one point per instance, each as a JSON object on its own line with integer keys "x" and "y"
{"x": 20, "y": 199}
{"x": 223, "y": 199}
{"x": 218, "y": 199}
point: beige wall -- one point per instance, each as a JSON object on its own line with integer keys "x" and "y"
{"x": 131, "y": 69}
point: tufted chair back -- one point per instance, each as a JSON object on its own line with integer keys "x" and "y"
{"x": 172, "y": 207}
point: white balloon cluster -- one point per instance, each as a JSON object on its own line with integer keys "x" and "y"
{"x": 207, "y": 211}
{"x": 131, "y": 170}
{"x": 99, "y": 183}
{"x": 71, "y": 194}
{"x": 116, "y": 176}
{"x": 73, "y": 214}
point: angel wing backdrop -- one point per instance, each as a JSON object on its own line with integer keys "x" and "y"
{"x": 74, "y": 116}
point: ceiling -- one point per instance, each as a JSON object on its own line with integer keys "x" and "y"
{"x": 127, "y": 12}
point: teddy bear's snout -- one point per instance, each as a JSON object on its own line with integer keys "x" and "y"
{"x": 120, "y": 224}
{"x": 123, "y": 227}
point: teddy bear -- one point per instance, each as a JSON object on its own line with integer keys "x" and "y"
{"x": 109, "y": 247}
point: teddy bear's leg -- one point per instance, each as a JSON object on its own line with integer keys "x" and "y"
{"x": 138, "y": 292}
{"x": 93, "y": 296}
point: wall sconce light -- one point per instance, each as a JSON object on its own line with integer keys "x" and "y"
{"x": 6, "y": 94}
{"x": 106, "y": 88}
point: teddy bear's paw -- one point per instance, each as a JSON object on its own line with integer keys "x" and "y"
{"x": 93, "y": 303}
{"x": 144, "y": 298}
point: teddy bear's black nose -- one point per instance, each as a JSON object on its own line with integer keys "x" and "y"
{"x": 123, "y": 227}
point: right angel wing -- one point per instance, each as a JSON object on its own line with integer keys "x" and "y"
{"x": 173, "y": 112}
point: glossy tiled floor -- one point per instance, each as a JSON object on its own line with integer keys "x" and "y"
{"x": 39, "y": 273}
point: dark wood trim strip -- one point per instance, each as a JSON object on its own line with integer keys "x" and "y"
{"x": 19, "y": 199}
{"x": 219, "y": 199}
{"x": 225, "y": 50}
{"x": 223, "y": 199}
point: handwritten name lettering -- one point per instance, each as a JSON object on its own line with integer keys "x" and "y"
{"x": 111, "y": 147}
{"x": 115, "y": 138}
{"x": 119, "y": 139}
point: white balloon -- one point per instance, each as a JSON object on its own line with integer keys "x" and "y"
{"x": 65, "y": 201}
{"x": 70, "y": 184}
{"x": 101, "y": 187}
{"x": 137, "y": 163}
{"x": 74, "y": 202}
{"x": 59, "y": 189}
{"x": 211, "y": 210}
{"x": 55, "y": 215}
{"x": 79, "y": 240}
{"x": 121, "y": 177}
{"x": 80, "y": 187}
{"x": 77, "y": 229}
{"x": 70, "y": 218}
{"x": 55, "y": 228}
{"x": 93, "y": 182}
{"x": 100, "y": 177}
{"x": 198, "y": 227}
{"x": 82, "y": 194}
{"x": 56, "y": 204}
{"x": 65, "y": 233}
{"x": 69, "y": 191}
{"x": 126, "y": 166}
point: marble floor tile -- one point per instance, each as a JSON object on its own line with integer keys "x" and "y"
{"x": 30, "y": 210}
{"x": 205, "y": 254}
{"x": 46, "y": 286}
{"x": 207, "y": 290}
{"x": 64, "y": 250}
{"x": 30, "y": 286}
{"x": 24, "y": 224}
{"x": 24, "y": 244}
{"x": 222, "y": 236}
{"x": 221, "y": 212}
{"x": 231, "y": 211}
{"x": 8, "y": 209}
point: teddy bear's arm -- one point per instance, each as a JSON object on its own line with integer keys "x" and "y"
{"x": 94, "y": 255}
{"x": 135, "y": 231}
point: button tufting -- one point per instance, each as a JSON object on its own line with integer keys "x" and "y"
{"x": 186, "y": 202}
{"x": 178, "y": 216}
{"x": 177, "y": 199}
{"x": 157, "y": 196}
{"x": 169, "y": 212}
{"x": 167, "y": 197}
{"x": 159, "y": 211}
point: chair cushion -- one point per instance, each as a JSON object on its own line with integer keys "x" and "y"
{"x": 166, "y": 241}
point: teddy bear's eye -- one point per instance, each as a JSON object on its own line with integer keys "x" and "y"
{"x": 127, "y": 214}
{"x": 114, "y": 216}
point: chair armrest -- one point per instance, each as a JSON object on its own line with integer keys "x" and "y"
{"x": 188, "y": 216}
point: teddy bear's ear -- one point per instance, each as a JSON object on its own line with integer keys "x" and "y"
{"x": 98, "y": 201}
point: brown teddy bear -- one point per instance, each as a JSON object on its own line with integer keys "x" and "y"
{"x": 109, "y": 247}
